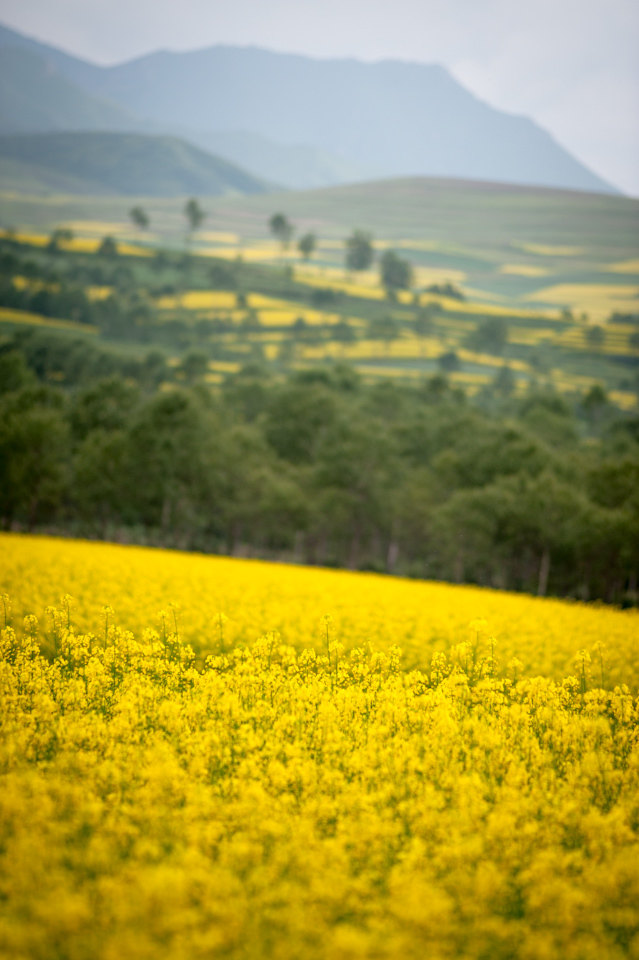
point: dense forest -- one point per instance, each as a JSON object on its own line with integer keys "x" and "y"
{"x": 318, "y": 467}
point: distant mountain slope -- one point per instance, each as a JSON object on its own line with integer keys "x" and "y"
{"x": 78, "y": 71}
{"x": 119, "y": 163}
{"x": 389, "y": 118}
{"x": 367, "y": 119}
{"x": 298, "y": 166}
{"x": 36, "y": 96}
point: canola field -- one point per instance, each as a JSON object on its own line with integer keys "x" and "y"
{"x": 209, "y": 757}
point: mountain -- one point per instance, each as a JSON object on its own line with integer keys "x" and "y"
{"x": 118, "y": 163}
{"x": 35, "y": 95}
{"x": 297, "y": 165}
{"x": 329, "y": 119}
{"x": 76, "y": 70}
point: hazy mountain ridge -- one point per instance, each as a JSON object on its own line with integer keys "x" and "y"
{"x": 327, "y": 120}
{"x": 119, "y": 163}
{"x": 35, "y": 96}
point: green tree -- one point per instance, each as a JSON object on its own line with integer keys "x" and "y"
{"x": 14, "y": 372}
{"x": 34, "y": 443}
{"x": 355, "y": 473}
{"x": 344, "y": 332}
{"x": 172, "y": 450}
{"x": 194, "y": 365}
{"x": 595, "y": 336}
{"x": 59, "y": 235}
{"x": 449, "y": 362}
{"x": 491, "y": 336}
{"x": 359, "y": 251}
{"x": 296, "y": 419}
{"x": 154, "y": 369}
{"x": 595, "y": 403}
{"x": 395, "y": 273}
{"x": 195, "y": 216}
{"x": 306, "y": 245}
{"x": 108, "y": 248}
{"x": 282, "y": 229}
{"x": 106, "y": 404}
{"x": 139, "y": 218}
{"x": 99, "y": 485}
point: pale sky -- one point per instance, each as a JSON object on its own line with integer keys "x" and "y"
{"x": 572, "y": 65}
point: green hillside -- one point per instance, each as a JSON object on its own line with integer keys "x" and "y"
{"x": 117, "y": 163}
{"x": 466, "y": 212}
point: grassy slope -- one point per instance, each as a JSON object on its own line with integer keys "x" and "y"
{"x": 462, "y": 212}
{"x": 468, "y": 214}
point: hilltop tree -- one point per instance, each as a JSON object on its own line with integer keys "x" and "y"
{"x": 359, "y": 250}
{"x": 139, "y": 218}
{"x": 282, "y": 229}
{"x": 306, "y": 245}
{"x": 194, "y": 214}
{"x": 395, "y": 273}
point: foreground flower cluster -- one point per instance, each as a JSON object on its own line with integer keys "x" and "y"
{"x": 269, "y": 801}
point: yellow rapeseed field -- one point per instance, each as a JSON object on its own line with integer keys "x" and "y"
{"x": 523, "y": 270}
{"x": 598, "y": 300}
{"x": 204, "y": 757}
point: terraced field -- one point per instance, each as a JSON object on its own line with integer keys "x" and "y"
{"x": 561, "y": 272}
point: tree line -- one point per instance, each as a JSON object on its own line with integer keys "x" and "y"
{"x": 320, "y": 468}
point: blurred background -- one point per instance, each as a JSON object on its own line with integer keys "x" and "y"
{"x": 340, "y": 283}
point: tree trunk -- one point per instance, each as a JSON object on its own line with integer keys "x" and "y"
{"x": 353, "y": 556}
{"x": 544, "y": 571}
{"x": 392, "y": 555}
{"x": 298, "y": 546}
{"x": 458, "y": 573}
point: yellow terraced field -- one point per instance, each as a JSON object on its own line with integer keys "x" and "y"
{"x": 104, "y": 228}
{"x": 199, "y": 300}
{"x": 597, "y": 300}
{"x": 523, "y": 270}
{"x": 79, "y": 244}
{"x": 616, "y": 339}
{"x": 624, "y": 266}
{"x": 308, "y": 790}
{"x": 550, "y": 250}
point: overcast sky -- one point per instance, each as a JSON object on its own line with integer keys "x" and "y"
{"x": 571, "y": 64}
